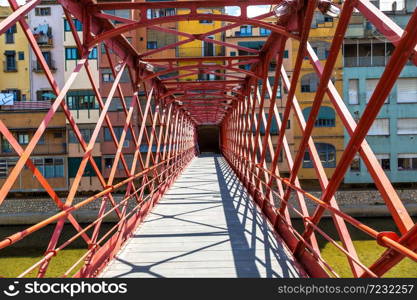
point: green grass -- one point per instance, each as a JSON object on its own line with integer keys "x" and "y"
{"x": 366, "y": 247}
{"x": 14, "y": 261}
{"x": 22, "y": 255}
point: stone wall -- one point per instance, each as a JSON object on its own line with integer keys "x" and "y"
{"x": 359, "y": 203}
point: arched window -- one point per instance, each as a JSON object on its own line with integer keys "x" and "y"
{"x": 325, "y": 118}
{"x": 309, "y": 83}
{"x": 327, "y": 154}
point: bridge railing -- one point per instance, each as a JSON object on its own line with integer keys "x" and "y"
{"x": 246, "y": 149}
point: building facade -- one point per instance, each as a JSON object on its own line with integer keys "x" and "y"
{"x": 393, "y": 135}
{"x": 84, "y": 107}
{"x": 199, "y": 48}
{"x": 25, "y": 80}
{"x": 254, "y": 38}
{"x": 328, "y": 129}
{"x": 15, "y": 73}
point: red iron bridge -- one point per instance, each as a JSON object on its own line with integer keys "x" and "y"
{"x": 186, "y": 213}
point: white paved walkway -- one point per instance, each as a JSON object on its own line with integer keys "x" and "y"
{"x": 205, "y": 226}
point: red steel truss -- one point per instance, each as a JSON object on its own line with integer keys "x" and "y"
{"x": 172, "y": 109}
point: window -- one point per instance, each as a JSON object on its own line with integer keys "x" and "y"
{"x": 309, "y": 83}
{"x": 327, "y": 154}
{"x": 353, "y": 91}
{"x": 93, "y": 53}
{"x": 407, "y": 90}
{"x": 355, "y": 166}
{"x": 286, "y": 54}
{"x": 11, "y": 65}
{"x": 78, "y": 25}
{"x": 391, "y": 5}
{"x": 272, "y": 82}
{"x": 121, "y": 13}
{"x": 246, "y": 30}
{"x": 152, "y": 45}
{"x": 288, "y": 123}
{"x": 116, "y": 104}
{"x": 208, "y": 48}
{"x": 103, "y": 49}
{"x": 384, "y": 161}
{"x": 5, "y": 146}
{"x": 48, "y": 58}
{"x": 328, "y": 19}
{"x": 407, "y": 126}
{"x": 108, "y": 162}
{"x": 274, "y": 125}
{"x": 161, "y": 12}
{"x": 6, "y": 165}
{"x": 23, "y": 138}
{"x": 71, "y": 53}
{"x": 21, "y": 55}
{"x": 321, "y": 49}
{"x": 107, "y": 75}
{"x": 407, "y": 161}
{"x": 42, "y": 140}
{"x": 370, "y": 88}
{"x": 82, "y": 99}
{"x": 206, "y": 21}
{"x": 74, "y": 164}
{"x": 45, "y": 95}
{"x": 9, "y": 35}
{"x": 379, "y": 127}
{"x": 86, "y": 133}
{"x": 16, "y": 93}
{"x": 264, "y": 31}
{"x": 42, "y": 11}
{"x": 325, "y": 118}
{"x": 58, "y": 134}
{"x": 118, "y": 132}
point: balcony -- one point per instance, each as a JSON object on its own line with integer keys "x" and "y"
{"x": 36, "y": 67}
{"x": 43, "y": 36}
{"x": 45, "y": 41}
{"x": 27, "y": 105}
{"x": 40, "y": 149}
{"x": 367, "y": 61}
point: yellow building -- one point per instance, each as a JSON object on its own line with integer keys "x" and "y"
{"x": 254, "y": 38}
{"x": 328, "y": 131}
{"x": 14, "y": 48}
{"x": 198, "y": 48}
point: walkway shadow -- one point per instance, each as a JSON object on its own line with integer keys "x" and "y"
{"x": 241, "y": 232}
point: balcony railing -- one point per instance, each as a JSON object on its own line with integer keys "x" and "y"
{"x": 36, "y": 67}
{"x": 368, "y": 61}
{"x": 45, "y": 41}
{"x": 47, "y": 148}
{"x": 28, "y": 105}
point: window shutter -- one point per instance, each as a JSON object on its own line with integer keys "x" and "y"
{"x": 370, "y": 88}
{"x": 407, "y": 90}
{"x": 379, "y": 127}
{"x": 407, "y": 126}
{"x": 353, "y": 91}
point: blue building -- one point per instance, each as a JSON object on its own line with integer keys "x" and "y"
{"x": 393, "y": 136}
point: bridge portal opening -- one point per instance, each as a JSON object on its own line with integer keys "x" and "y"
{"x": 208, "y": 139}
